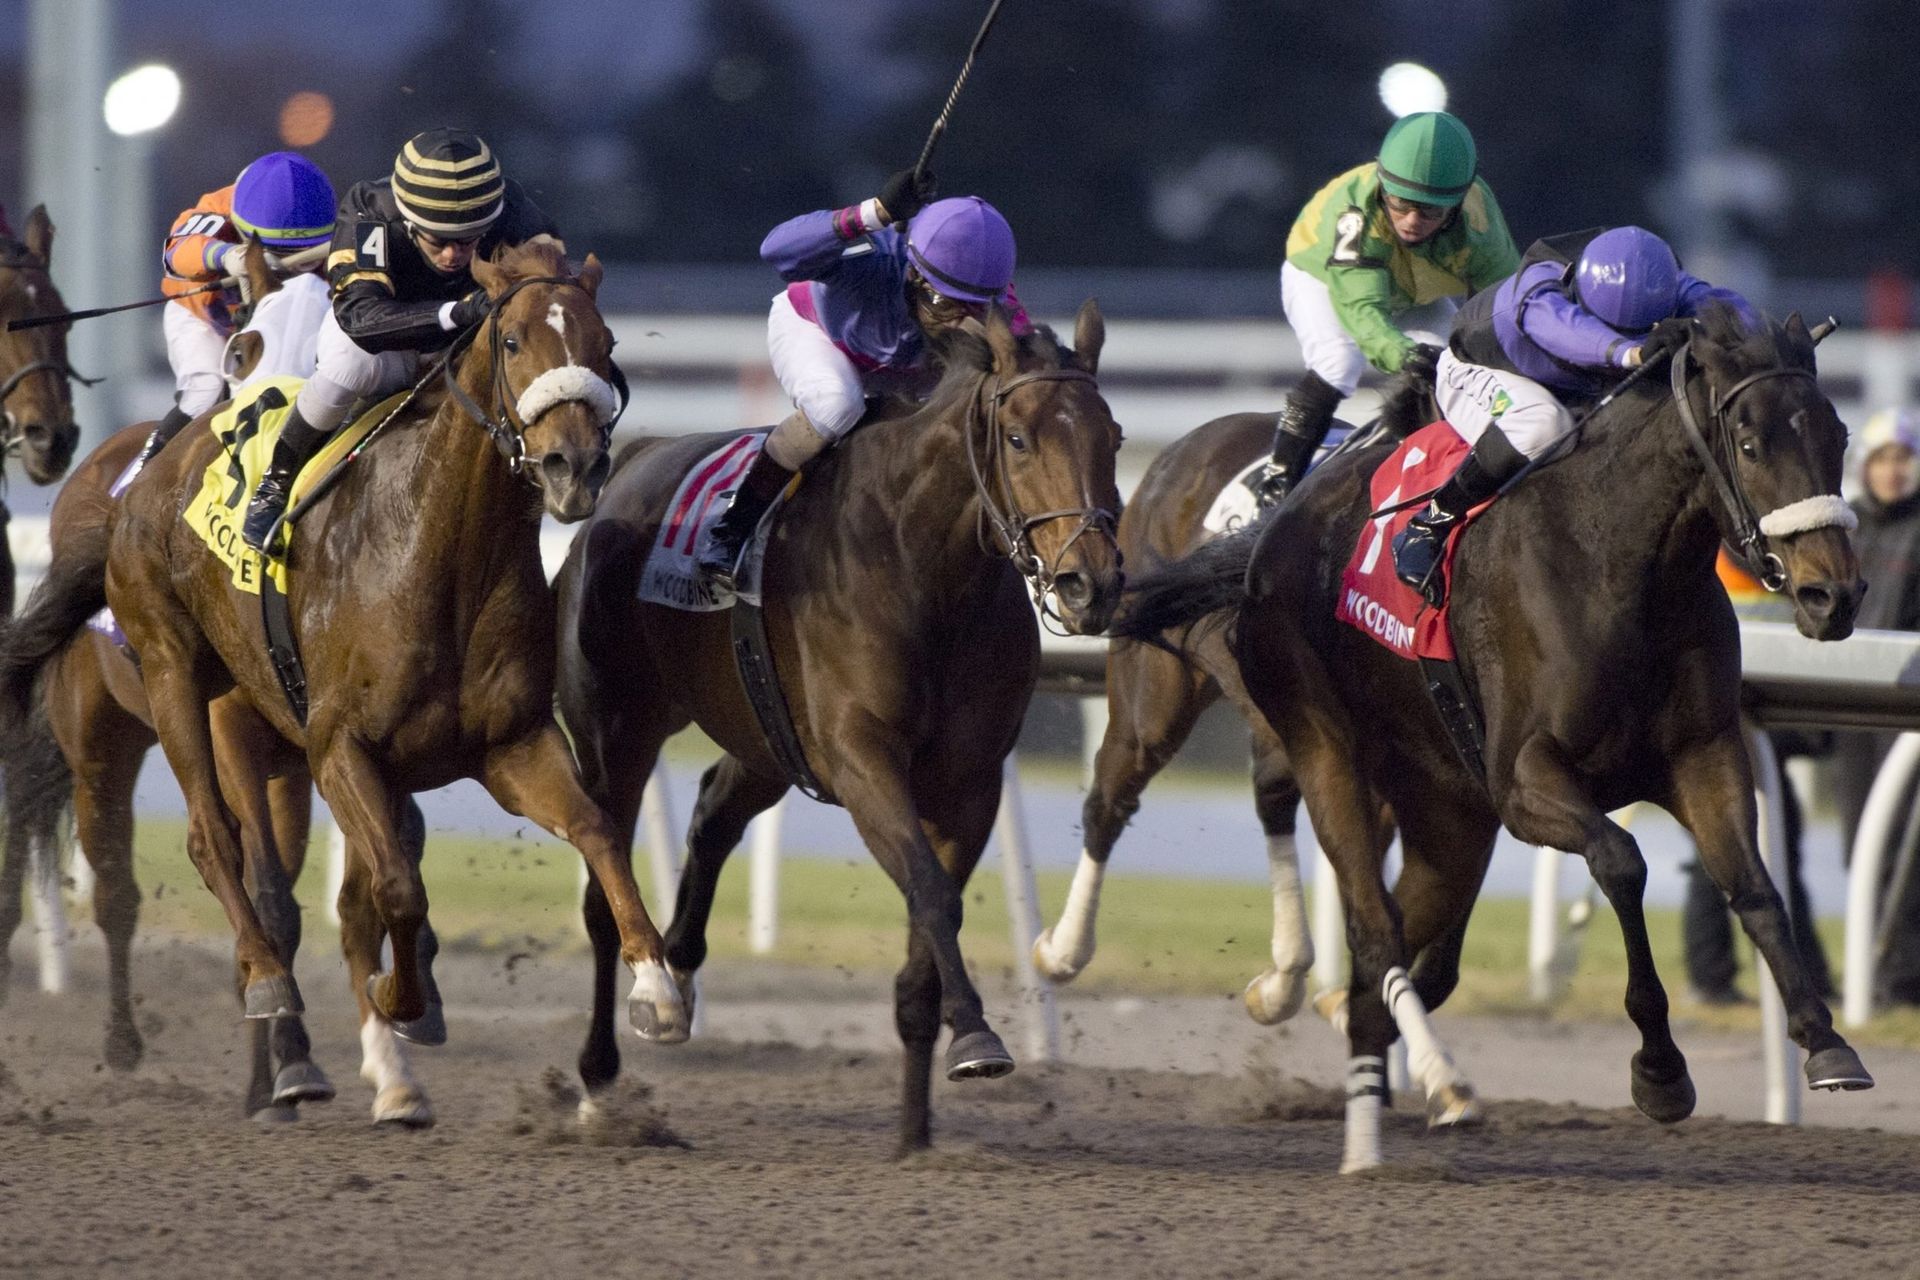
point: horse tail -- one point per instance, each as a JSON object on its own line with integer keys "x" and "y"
{"x": 74, "y": 590}
{"x": 1209, "y": 582}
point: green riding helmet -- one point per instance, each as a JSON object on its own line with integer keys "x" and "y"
{"x": 1429, "y": 157}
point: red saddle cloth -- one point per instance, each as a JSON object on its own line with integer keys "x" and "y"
{"x": 1371, "y": 597}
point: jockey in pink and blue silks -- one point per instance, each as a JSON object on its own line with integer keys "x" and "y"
{"x": 866, "y": 287}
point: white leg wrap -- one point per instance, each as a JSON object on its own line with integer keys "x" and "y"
{"x": 1427, "y": 1059}
{"x": 1276, "y": 995}
{"x": 655, "y": 1007}
{"x": 1366, "y": 1090}
{"x": 397, "y": 1095}
{"x": 1064, "y": 950}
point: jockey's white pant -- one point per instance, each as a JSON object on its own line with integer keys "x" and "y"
{"x": 344, "y": 371}
{"x": 1326, "y": 346}
{"x": 821, "y": 379}
{"x": 1473, "y": 397}
{"x": 196, "y": 351}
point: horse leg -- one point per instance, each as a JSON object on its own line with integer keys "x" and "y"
{"x": 535, "y": 777}
{"x": 620, "y": 796}
{"x": 297, "y": 1078}
{"x": 1547, "y": 806}
{"x": 13, "y": 881}
{"x": 179, "y": 707}
{"x": 875, "y": 793}
{"x": 368, "y": 811}
{"x": 430, "y": 1028}
{"x": 1276, "y": 995}
{"x": 398, "y": 1097}
{"x": 103, "y": 826}
{"x": 731, "y": 796}
{"x": 1153, "y": 699}
{"x": 1713, "y": 799}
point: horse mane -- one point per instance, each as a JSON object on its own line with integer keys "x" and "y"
{"x": 962, "y": 355}
{"x": 540, "y": 256}
{"x": 1768, "y": 344}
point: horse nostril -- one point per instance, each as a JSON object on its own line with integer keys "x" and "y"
{"x": 1817, "y": 600}
{"x": 555, "y": 468}
{"x": 1075, "y": 590}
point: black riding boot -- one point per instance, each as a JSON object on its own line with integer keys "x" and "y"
{"x": 719, "y": 556}
{"x": 1303, "y": 425}
{"x": 297, "y": 443}
{"x": 167, "y": 428}
{"x": 1420, "y": 549}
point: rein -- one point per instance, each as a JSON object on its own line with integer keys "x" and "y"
{"x": 1012, "y": 527}
{"x": 1749, "y": 527}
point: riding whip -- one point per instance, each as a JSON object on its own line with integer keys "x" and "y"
{"x": 966, "y": 69}
{"x": 304, "y": 258}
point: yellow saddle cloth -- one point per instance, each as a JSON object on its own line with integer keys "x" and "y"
{"x": 247, "y": 430}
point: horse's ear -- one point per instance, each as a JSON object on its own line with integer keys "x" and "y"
{"x": 260, "y": 277}
{"x": 1089, "y": 335}
{"x": 243, "y": 354}
{"x": 490, "y": 276}
{"x": 591, "y": 273}
{"x": 39, "y": 237}
{"x": 1000, "y": 341}
{"x": 1799, "y": 338}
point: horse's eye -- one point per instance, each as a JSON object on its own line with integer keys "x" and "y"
{"x": 1018, "y": 442}
{"x": 1748, "y": 449}
{"x": 511, "y": 344}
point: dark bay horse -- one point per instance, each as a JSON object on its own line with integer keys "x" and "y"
{"x": 1606, "y": 662}
{"x": 426, "y": 626}
{"x": 1155, "y": 694}
{"x": 37, "y": 426}
{"x": 906, "y": 646}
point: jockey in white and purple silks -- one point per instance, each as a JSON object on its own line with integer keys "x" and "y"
{"x": 1581, "y": 309}
{"x": 862, "y": 297}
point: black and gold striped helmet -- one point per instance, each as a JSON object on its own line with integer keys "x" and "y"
{"x": 447, "y": 182}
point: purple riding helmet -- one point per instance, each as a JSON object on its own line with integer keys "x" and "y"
{"x": 963, "y": 247}
{"x": 285, "y": 200}
{"x": 1629, "y": 278}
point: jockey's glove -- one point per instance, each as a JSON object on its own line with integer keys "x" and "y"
{"x": 1665, "y": 338}
{"x": 468, "y": 311}
{"x": 1422, "y": 362}
{"x": 906, "y": 193}
{"x": 233, "y": 261}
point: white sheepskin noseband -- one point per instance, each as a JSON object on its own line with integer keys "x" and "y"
{"x": 1822, "y": 511}
{"x": 572, "y": 382}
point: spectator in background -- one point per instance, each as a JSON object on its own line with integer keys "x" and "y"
{"x": 1706, "y": 925}
{"x": 1888, "y": 541}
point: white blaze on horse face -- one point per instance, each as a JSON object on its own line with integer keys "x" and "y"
{"x": 557, "y": 317}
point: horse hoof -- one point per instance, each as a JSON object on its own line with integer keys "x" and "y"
{"x": 1053, "y": 963}
{"x": 387, "y": 1005}
{"x": 1273, "y": 997}
{"x": 402, "y": 1107}
{"x": 1331, "y": 1004}
{"x": 655, "y": 1008}
{"x": 1667, "y": 1101}
{"x": 686, "y": 982}
{"x": 1837, "y": 1068}
{"x": 1454, "y": 1106}
{"x": 124, "y": 1048}
{"x": 276, "y": 1116}
{"x": 1359, "y": 1164}
{"x": 978, "y": 1055}
{"x": 275, "y": 997}
{"x": 301, "y": 1082}
{"x": 429, "y": 1029}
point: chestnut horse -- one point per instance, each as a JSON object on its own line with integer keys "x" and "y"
{"x": 1606, "y": 662}
{"x": 906, "y": 646}
{"x": 426, "y": 627}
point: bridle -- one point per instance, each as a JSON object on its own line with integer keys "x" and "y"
{"x": 1013, "y": 528}
{"x": 504, "y": 424}
{"x": 13, "y": 440}
{"x": 1751, "y": 531}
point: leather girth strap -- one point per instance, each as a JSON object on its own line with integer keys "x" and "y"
{"x": 754, "y": 656}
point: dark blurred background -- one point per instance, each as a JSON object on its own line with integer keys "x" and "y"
{"x": 1135, "y": 134}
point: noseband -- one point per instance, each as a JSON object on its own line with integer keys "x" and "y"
{"x": 1751, "y": 530}
{"x": 1012, "y": 527}
{"x": 504, "y": 424}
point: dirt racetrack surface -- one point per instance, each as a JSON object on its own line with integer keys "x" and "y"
{"x": 786, "y": 1166}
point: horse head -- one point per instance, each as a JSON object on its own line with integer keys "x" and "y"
{"x": 1045, "y": 466}
{"x": 36, "y": 402}
{"x": 552, "y": 371}
{"x": 1779, "y": 446}
{"x": 281, "y": 336}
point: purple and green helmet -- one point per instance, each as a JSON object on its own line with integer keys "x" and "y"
{"x": 285, "y": 201}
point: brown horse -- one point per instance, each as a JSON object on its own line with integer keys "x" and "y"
{"x": 907, "y": 648}
{"x": 36, "y": 424}
{"x": 1606, "y": 662}
{"x": 426, "y": 627}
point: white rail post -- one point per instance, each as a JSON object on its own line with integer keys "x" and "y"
{"x": 1543, "y": 925}
{"x": 1329, "y": 921}
{"x": 1879, "y": 819}
{"x": 1038, "y": 1013}
{"x": 663, "y": 855}
{"x": 1783, "y": 1089}
{"x": 336, "y": 869}
{"x": 49, "y": 916}
{"x": 763, "y": 880}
